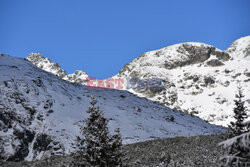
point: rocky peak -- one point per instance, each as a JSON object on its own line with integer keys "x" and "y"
{"x": 178, "y": 55}
{"x": 44, "y": 63}
{"x": 35, "y": 58}
{"x": 240, "y": 48}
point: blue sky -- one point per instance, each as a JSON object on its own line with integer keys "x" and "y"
{"x": 100, "y": 37}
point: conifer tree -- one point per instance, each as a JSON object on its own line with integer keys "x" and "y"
{"x": 116, "y": 149}
{"x": 238, "y": 146}
{"x": 98, "y": 148}
{"x": 239, "y": 114}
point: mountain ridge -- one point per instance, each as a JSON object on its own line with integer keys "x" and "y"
{"x": 40, "y": 113}
{"x": 192, "y": 71}
{"x": 44, "y": 63}
{"x": 41, "y": 103}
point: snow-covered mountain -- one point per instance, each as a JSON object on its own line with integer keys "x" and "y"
{"x": 197, "y": 78}
{"x": 40, "y": 112}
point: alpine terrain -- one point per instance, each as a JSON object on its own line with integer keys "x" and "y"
{"x": 196, "y": 78}
{"x": 40, "y": 112}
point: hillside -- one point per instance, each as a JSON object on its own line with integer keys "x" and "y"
{"x": 40, "y": 113}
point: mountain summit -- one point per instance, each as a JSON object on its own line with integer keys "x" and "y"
{"x": 44, "y": 63}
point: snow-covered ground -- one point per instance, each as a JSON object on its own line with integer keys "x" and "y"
{"x": 40, "y": 113}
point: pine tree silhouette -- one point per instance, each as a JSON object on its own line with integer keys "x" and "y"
{"x": 116, "y": 149}
{"x": 239, "y": 114}
{"x": 238, "y": 146}
{"x": 98, "y": 148}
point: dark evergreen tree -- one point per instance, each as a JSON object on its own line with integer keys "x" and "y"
{"x": 240, "y": 114}
{"x": 116, "y": 149}
{"x": 238, "y": 145}
{"x": 97, "y": 148}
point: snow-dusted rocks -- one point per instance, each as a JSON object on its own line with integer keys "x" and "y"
{"x": 40, "y": 113}
{"x": 77, "y": 77}
{"x": 44, "y": 63}
{"x": 176, "y": 56}
{"x": 197, "y": 78}
{"x": 240, "y": 48}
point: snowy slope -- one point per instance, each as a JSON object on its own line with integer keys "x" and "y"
{"x": 40, "y": 113}
{"x": 197, "y": 78}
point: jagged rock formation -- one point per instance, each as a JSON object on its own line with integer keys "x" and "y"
{"x": 44, "y": 63}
